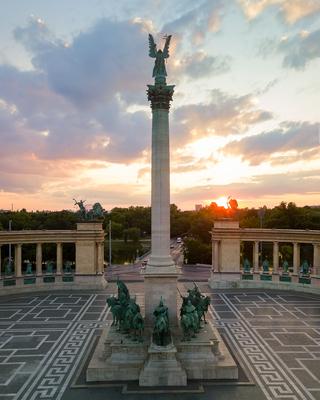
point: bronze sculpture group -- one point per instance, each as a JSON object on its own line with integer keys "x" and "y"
{"x": 128, "y": 319}
{"x": 96, "y": 212}
{"x": 192, "y": 312}
{"x": 126, "y": 313}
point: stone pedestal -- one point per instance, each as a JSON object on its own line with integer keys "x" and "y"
{"x": 88, "y": 258}
{"x": 161, "y": 282}
{"x": 206, "y": 356}
{"x": 116, "y": 358}
{"x": 162, "y": 368}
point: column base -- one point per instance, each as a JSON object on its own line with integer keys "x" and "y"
{"x": 226, "y": 276}
{"x": 161, "y": 282}
{"x": 155, "y": 261}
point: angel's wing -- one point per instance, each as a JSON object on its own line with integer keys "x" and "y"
{"x": 152, "y": 47}
{"x": 166, "y": 47}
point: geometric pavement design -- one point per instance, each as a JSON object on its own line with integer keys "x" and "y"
{"x": 275, "y": 336}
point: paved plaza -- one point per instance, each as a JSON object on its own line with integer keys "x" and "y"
{"x": 46, "y": 340}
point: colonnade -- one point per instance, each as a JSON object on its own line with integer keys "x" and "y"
{"x": 227, "y": 237}
{"x": 216, "y": 257}
{"x": 59, "y": 259}
{"x": 88, "y": 240}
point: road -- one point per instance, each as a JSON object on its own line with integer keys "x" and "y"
{"x": 133, "y": 272}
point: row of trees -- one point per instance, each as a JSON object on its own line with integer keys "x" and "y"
{"x": 132, "y": 226}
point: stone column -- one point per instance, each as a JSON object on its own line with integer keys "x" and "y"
{"x": 0, "y": 260}
{"x": 17, "y": 260}
{"x": 161, "y": 273}
{"x": 160, "y": 97}
{"x": 275, "y": 257}
{"x": 296, "y": 258}
{"x": 39, "y": 259}
{"x": 216, "y": 256}
{"x": 100, "y": 258}
{"x": 212, "y": 256}
{"x": 256, "y": 265}
{"x": 316, "y": 258}
{"x": 59, "y": 258}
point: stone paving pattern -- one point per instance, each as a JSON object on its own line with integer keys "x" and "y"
{"x": 275, "y": 335}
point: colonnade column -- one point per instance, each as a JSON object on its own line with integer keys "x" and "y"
{"x": 296, "y": 258}
{"x": 17, "y": 260}
{"x": 216, "y": 256}
{"x": 256, "y": 257}
{"x": 0, "y": 260}
{"x": 316, "y": 258}
{"x": 100, "y": 258}
{"x": 275, "y": 257}
{"x": 39, "y": 259}
{"x": 59, "y": 258}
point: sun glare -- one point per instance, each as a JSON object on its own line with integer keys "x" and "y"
{"x": 222, "y": 201}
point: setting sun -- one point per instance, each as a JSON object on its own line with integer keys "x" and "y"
{"x": 222, "y": 201}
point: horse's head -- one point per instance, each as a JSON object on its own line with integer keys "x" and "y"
{"x": 111, "y": 301}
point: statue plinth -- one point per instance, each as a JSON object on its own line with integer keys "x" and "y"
{"x": 162, "y": 367}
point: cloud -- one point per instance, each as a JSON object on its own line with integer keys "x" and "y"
{"x": 292, "y": 10}
{"x": 300, "y": 50}
{"x": 73, "y": 104}
{"x": 197, "y": 22}
{"x": 110, "y": 57}
{"x": 223, "y": 115}
{"x": 290, "y": 136}
{"x": 302, "y": 183}
{"x": 201, "y": 65}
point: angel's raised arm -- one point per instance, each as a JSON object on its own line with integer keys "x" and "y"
{"x": 166, "y": 47}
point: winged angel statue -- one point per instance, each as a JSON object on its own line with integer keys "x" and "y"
{"x": 159, "y": 70}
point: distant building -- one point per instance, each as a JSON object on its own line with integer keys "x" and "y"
{"x": 198, "y": 207}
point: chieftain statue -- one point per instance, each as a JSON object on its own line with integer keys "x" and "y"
{"x": 265, "y": 266}
{"x": 246, "y": 266}
{"x": 285, "y": 267}
{"x": 8, "y": 267}
{"x": 305, "y": 269}
{"x": 193, "y": 310}
{"x": 161, "y": 331}
{"x": 159, "y": 70}
{"x": 126, "y": 313}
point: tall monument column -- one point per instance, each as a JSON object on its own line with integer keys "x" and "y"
{"x": 161, "y": 273}
{"x": 160, "y": 96}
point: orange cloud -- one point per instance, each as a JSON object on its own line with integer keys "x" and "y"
{"x": 293, "y": 10}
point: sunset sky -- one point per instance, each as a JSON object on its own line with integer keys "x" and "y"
{"x": 75, "y": 121}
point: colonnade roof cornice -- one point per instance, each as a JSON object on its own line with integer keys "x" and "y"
{"x": 50, "y": 236}
{"x": 267, "y": 235}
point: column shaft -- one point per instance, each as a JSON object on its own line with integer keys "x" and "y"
{"x": 17, "y": 259}
{"x": 216, "y": 256}
{"x": 256, "y": 257}
{"x": 0, "y": 260}
{"x": 316, "y": 258}
{"x": 296, "y": 258}
{"x": 160, "y": 187}
{"x": 39, "y": 259}
{"x": 59, "y": 258}
{"x": 100, "y": 258}
{"x": 275, "y": 257}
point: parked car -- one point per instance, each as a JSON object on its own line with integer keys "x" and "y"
{"x": 179, "y": 240}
